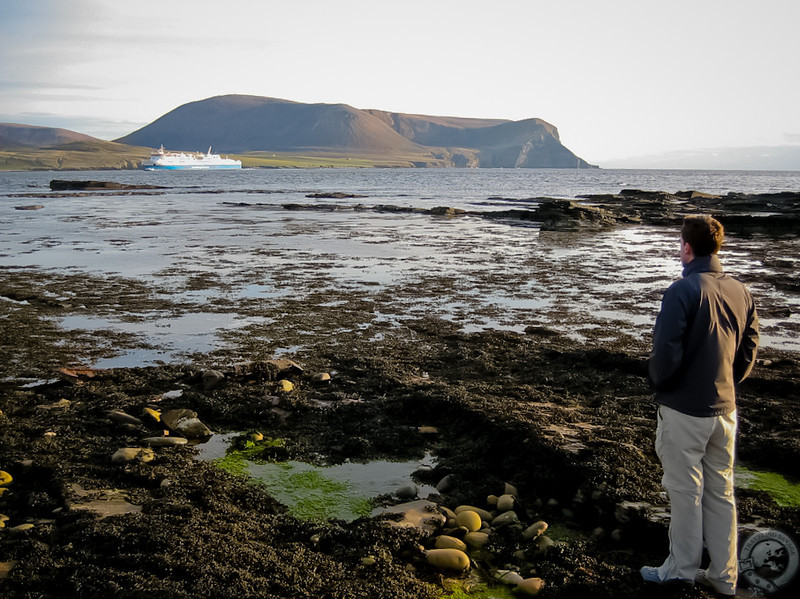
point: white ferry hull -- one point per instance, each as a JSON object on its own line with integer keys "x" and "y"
{"x": 161, "y": 160}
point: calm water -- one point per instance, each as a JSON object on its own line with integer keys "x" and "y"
{"x": 497, "y": 274}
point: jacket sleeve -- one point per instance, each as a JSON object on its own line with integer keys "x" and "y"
{"x": 746, "y": 353}
{"x": 668, "y": 338}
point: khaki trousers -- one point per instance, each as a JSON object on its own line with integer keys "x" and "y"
{"x": 697, "y": 455}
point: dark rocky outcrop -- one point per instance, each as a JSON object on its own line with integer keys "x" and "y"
{"x": 66, "y": 185}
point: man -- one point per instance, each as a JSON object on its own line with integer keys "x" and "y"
{"x": 704, "y": 343}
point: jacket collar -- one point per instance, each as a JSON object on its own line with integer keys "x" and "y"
{"x": 703, "y": 264}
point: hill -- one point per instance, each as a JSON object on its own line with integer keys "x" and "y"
{"x": 237, "y": 124}
{"x": 26, "y": 147}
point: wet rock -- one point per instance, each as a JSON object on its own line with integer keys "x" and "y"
{"x": 212, "y": 378}
{"x": 30, "y": 207}
{"x": 408, "y": 491}
{"x": 469, "y": 519}
{"x": 268, "y": 369}
{"x": 446, "y": 484}
{"x": 427, "y": 430}
{"x": 63, "y": 185}
{"x": 448, "y": 559}
{"x": 5, "y": 478}
{"x": 421, "y": 514}
{"x": 448, "y": 542}
{"x": 20, "y": 529}
{"x": 321, "y": 378}
{"x": 476, "y": 539}
{"x": 285, "y": 386}
{"x": 508, "y": 577}
{"x": 505, "y": 519}
{"x": 446, "y": 211}
{"x": 485, "y": 515}
{"x": 541, "y": 546}
{"x": 565, "y": 215}
{"x": 534, "y": 530}
{"x": 505, "y": 502}
{"x": 530, "y": 586}
{"x": 123, "y": 418}
{"x": 6, "y": 567}
{"x": 126, "y": 455}
{"x": 185, "y": 423}
{"x": 164, "y": 441}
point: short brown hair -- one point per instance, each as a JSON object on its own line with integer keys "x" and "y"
{"x": 703, "y": 233}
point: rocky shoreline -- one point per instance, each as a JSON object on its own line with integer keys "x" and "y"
{"x": 545, "y": 443}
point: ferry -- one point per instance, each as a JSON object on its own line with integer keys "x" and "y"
{"x": 161, "y": 160}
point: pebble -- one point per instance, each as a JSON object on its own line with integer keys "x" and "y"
{"x": 447, "y": 559}
{"x": 469, "y": 519}
{"x": 285, "y": 386}
{"x": 5, "y": 478}
{"x": 321, "y": 378}
{"x": 485, "y": 515}
{"x": 448, "y": 542}
{"x": 368, "y": 561}
{"x": 212, "y": 378}
{"x": 530, "y": 586}
{"x": 534, "y": 530}
{"x": 542, "y": 545}
{"x": 427, "y": 430}
{"x": 185, "y": 423}
{"x": 491, "y": 500}
{"x": 505, "y": 519}
{"x": 505, "y": 502}
{"x": 120, "y": 417}
{"x": 477, "y": 539}
{"x": 508, "y": 577}
{"x": 408, "y": 491}
{"x": 164, "y": 441}
{"x": 20, "y": 528}
{"x": 446, "y": 484}
{"x": 126, "y": 455}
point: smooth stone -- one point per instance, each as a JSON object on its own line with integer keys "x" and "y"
{"x": 164, "y": 441}
{"x": 471, "y": 520}
{"x": 491, "y": 500}
{"x": 6, "y": 567}
{"x": 321, "y": 378}
{"x": 508, "y": 577}
{"x": 510, "y": 490}
{"x": 477, "y": 539}
{"x": 126, "y": 455}
{"x": 285, "y": 386}
{"x": 542, "y": 545}
{"x": 368, "y": 561}
{"x": 20, "y": 528}
{"x": 212, "y": 378}
{"x": 485, "y": 515}
{"x": 407, "y": 491}
{"x": 530, "y": 586}
{"x": 505, "y": 519}
{"x": 446, "y": 484}
{"x": 186, "y": 423}
{"x": 448, "y": 542}
{"x": 450, "y": 514}
{"x": 427, "y": 430}
{"x": 505, "y": 503}
{"x": 120, "y": 417}
{"x": 447, "y": 559}
{"x": 5, "y": 477}
{"x": 534, "y": 530}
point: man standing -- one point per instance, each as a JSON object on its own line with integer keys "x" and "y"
{"x": 704, "y": 343}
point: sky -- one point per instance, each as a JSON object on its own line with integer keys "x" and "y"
{"x": 620, "y": 79}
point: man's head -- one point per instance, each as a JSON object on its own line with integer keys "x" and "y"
{"x": 703, "y": 235}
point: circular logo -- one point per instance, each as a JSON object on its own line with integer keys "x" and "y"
{"x": 768, "y": 560}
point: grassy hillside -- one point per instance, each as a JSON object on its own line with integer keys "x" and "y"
{"x": 81, "y": 155}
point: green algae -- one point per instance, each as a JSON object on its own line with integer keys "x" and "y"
{"x": 785, "y": 492}
{"x": 481, "y": 592}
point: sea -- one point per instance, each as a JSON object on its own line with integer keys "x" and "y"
{"x": 234, "y": 227}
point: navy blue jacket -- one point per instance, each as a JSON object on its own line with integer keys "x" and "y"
{"x": 704, "y": 342}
